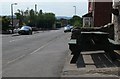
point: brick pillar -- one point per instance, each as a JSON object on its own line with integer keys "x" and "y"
{"x": 117, "y": 23}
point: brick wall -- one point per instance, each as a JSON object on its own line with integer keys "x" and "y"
{"x": 102, "y": 13}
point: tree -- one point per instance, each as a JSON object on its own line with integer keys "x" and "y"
{"x": 49, "y": 18}
{"x": 40, "y": 12}
{"x": 40, "y": 19}
{"x": 33, "y": 19}
{"x": 19, "y": 15}
{"x": 5, "y": 23}
{"x": 45, "y": 20}
{"x": 76, "y": 21}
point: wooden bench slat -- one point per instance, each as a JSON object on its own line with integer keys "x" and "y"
{"x": 72, "y": 41}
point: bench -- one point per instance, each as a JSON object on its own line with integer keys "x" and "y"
{"x": 115, "y": 44}
{"x": 90, "y": 41}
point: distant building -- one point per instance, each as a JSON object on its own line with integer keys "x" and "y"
{"x": 87, "y": 20}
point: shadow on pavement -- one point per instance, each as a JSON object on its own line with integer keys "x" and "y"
{"x": 100, "y": 60}
{"x": 80, "y": 62}
{"x": 104, "y": 61}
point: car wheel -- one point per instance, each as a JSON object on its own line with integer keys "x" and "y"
{"x": 30, "y": 33}
{"x": 19, "y": 33}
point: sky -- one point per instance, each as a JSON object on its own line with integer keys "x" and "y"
{"x": 58, "y": 7}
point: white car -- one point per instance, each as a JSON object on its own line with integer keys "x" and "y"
{"x": 16, "y": 30}
{"x": 68, "y": 28}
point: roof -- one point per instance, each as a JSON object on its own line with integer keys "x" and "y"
{"x": 87, "y": 15}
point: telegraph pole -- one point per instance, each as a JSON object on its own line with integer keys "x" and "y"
{"x": 12, "y": 14}
{"x": 75, "y": 9}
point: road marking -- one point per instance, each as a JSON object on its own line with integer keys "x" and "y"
{"x": 41, "y": 47}
{"x": 33, "y": 51}
{"x": 11, "y": 40}
{"x": 16, "y": 40}
{"x": 28, "y": 54}
{"x": 45, "y": 45}
{"x": 21, "y": 38}
{"x": 15, "y": 59}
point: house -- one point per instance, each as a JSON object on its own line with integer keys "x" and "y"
{"x": 87, "y": 20}
{"x": 104, "y": 13}
{"x": 101, "y": 13}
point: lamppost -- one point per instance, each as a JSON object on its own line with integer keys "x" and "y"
{"x": 35, "y": 14}
{"x": 12, "y": 14}
{"x": 75, "y": 9}
{"x": 36, "y": 8}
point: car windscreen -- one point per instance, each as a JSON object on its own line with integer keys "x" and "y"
{"x": 25, "y": 27}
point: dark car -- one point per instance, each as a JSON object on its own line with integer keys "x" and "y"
{"x": 35, "y": 28}
{"x": 25, "y": 30}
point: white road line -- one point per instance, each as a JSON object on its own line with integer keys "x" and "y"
{"x": 21, "y": 39}
{"x": 15, "y": 59}
{"x": 25, "y": 55}
{"x": 11, "y": 40}
{"x": 32, "y": 52}
{"x": 16, "y": 40}
{"x": 41, "y": 47}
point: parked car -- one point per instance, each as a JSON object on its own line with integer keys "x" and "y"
{"x": 35, "y": 29}
{"x": 68, "y": 28}
{"x": 16, "y": 30}
{"x": 7, "y": 32}
{"x": 25, "y": 30}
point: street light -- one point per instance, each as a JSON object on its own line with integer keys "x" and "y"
{"x": 75, "y": 9}
{"x": 36, "y": 8}
{"x": 12, "y": 14}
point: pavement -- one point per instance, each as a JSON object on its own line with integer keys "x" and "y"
{"x": 91, "y": 65}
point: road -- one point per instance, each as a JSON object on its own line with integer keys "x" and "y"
{"x": 39, "y": 55}
{"x": 44, "y": 54}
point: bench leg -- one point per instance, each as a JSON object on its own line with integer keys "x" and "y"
{"x": 75, "y": 58}
{"x": 110, "y": 50}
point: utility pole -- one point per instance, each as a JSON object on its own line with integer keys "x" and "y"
{"x": 12, "y": 15}
{"x": 75, "y": 9}
{"x": 35, "y": 8}
{"x": 35, "y": 14}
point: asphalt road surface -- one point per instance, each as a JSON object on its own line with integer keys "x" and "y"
{"x": 39, "y": 55}
{"x": 44, "y": 54}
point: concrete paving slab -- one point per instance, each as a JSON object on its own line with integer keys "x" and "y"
{"x": 96, "y": 64}
{"x": 88, "y": 60}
